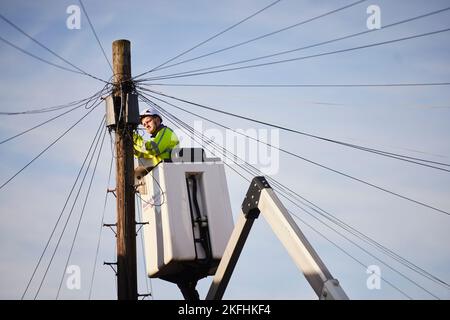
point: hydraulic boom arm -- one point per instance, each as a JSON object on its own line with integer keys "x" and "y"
{"x": 260, "y": 198}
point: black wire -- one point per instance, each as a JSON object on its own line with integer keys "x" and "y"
{"x": 330, "y": 217}
{"x": 357, "y": 233}
{"x": 47, "y": 49}
{"x": 53, "y": 118}
{"x": 81, "y": 215}
{"x": 423, "y": 84}
{"x": 62, "y": 211}
{"x": 283, "y": 194}
{"x": 328, "y": 41}
{"x": 51, "y": 109}
{"x": 357, "y": 179}
{"x": 209, "y": 39}
{"x": 95, "y": 34}
{"x": 39, "y": 125}
{"x": 268, "y": 34}
{"x": 363, "y": 249}
{"x": 388, "y": 282}
{"x": 321, "y": 234}
{"x": 196, "y": 73}
{"x": 100, "y": 230}
{"x": 184, "y": 125}
{"x": 37, "y": 57}
{"x": 46, "y": 148}
{"x": 348, "y": 254}
{"x": 333, "y": 219}
{"x": 68, "y": 217}
{"x": 346, "y": 144}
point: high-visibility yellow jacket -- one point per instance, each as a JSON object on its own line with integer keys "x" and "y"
{"x": 158, "y": 148}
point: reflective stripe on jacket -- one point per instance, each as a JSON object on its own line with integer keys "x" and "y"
{"x": 158, "y": 147}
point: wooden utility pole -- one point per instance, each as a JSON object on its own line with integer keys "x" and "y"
{"x": 126, "y": 223}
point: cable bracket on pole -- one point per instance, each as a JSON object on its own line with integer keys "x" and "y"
{"x": 141, "y": 224}
{"x": 111, "y": 265}
{"x": 111, "y": 225}
{"x": 113, "y": 191}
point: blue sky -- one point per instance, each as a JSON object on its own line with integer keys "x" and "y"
{"x": 408, "y": 120}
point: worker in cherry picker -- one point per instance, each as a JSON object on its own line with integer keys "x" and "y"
{"x": 163, "y": 139}
{"x": 158, "y": 148}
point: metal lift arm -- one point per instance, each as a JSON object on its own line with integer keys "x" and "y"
{"x": 260, "y": 198}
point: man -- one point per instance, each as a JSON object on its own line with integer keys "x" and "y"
{"x": 158, "y": 148}
{"x": 163, "y": 139}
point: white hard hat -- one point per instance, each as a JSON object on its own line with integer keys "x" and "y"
{"x": 150, "y": 112}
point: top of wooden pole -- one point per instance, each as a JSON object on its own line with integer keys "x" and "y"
{"x": 121, "y": 61}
